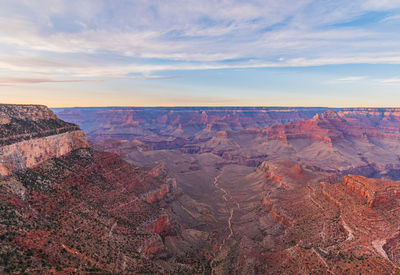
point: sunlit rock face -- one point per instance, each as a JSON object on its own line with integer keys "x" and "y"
{"x": 30, "y": 153}
{"x": 25, "y": 122}
{"x": 31, "y": 134}
{"x": 376, "y": 192}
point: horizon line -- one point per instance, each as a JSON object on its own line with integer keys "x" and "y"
{"x": 224, "y": 106}
{"x": 205, "y": 106}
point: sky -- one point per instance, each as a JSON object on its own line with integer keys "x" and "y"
{"x": 65, "y": 53}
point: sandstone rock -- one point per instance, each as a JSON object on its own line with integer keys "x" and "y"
{"x": 376, "y": 192}
{"x": 24, "y": 122}
{"x": 31, "y": 134}
{"x": 152, "y": 246}
{"x": 30, "y": 153}
{"x": 157, "y": 195}
{"x": 160, "y": 226}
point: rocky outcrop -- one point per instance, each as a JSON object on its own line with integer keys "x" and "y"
{"x": 29, "y": 153}
{"x": 362, "y": 186}
{"x": 25, "y": 122}
{"x": 160, "y": 225}
{"x": 310, "y": 130}
{"x": 328, "y": 227}
{"x": 32, "y": 134}
{"x": 376, "y": 192}
{"x": 157, "y": 171}
{"x": 331, "y": 126}
{"x": 9, "y": 112}
{"x": 157, "y": 195}
{"x": 152, "y": 246}
{"x": 278, "y": 217}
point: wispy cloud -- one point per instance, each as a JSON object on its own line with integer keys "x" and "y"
{"x": 156, "y": 77}
{"x": 102, "y": 38}
{"x": 381, "y": 4}
{"x": 15, "y": 81}
{"x": 391, "y": 80}
{"x": 352, "y": 78}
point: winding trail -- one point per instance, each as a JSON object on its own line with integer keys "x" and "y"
{"x": 227, "y": 198}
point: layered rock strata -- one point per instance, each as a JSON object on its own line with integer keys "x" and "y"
{"x": 31, "y": 134}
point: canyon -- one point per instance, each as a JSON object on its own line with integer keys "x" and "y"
{"x": 200, "y": 190}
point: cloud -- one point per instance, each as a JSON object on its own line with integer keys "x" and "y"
{"x": 105, "y": 38}
{"x": 391, "y": 18}
{"x": 16, "y": 81}
{"x": 352, "y": 78}
{"x": 391, "y": 80}
{"x": 381, "y": 4}
{"x": 155, "y": 77}
{"x": 93, "y": 70}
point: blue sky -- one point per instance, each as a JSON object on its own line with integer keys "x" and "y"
{"x": 169, "y": 53}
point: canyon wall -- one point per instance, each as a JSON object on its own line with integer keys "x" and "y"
{"x": 25, "y": 122}
{"x": 376, "y": 192}
{"x": 163, "y": 127}
{"x": 32, "y": 134}
{"x": 330, "y": 126}
{"x": 348, "y": 139}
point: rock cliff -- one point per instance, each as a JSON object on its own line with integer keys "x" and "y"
{"x": 31, "y": 134}
{"x": 331, "y": 126}
{"x": 376, "y": 192}
{"x": 25, "y": 122}
{"x": 171, "y": 128}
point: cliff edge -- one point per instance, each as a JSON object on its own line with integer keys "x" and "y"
{"x": 31, "y": 134}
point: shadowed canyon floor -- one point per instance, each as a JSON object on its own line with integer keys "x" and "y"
{"x": 202, "y": 191}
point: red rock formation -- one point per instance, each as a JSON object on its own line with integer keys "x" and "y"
{"x": 159, "y": 226}
{"x": 87, "y": 205}
{"x": 157, "y": 195}
{"x": 31, "y": 134}
{"x": 152, "y": 246}
{"x": 221, "y": 134}
{"x": 281, "y": 218}
{"x": 125, "y": 123}
{"x": 267, "y": 203}
{"x": 25, "y": 122}
{"x": 30, "y": 153}
{"x": 362, "y": 186}
{"x": 310, "y": 129}
{"x": 375, "y": 192}
{"x": 331, "y": 126}
{"x": 342, "y": 227}
{"x": 158, "y": 170}
{"x": 274, "y": 177}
